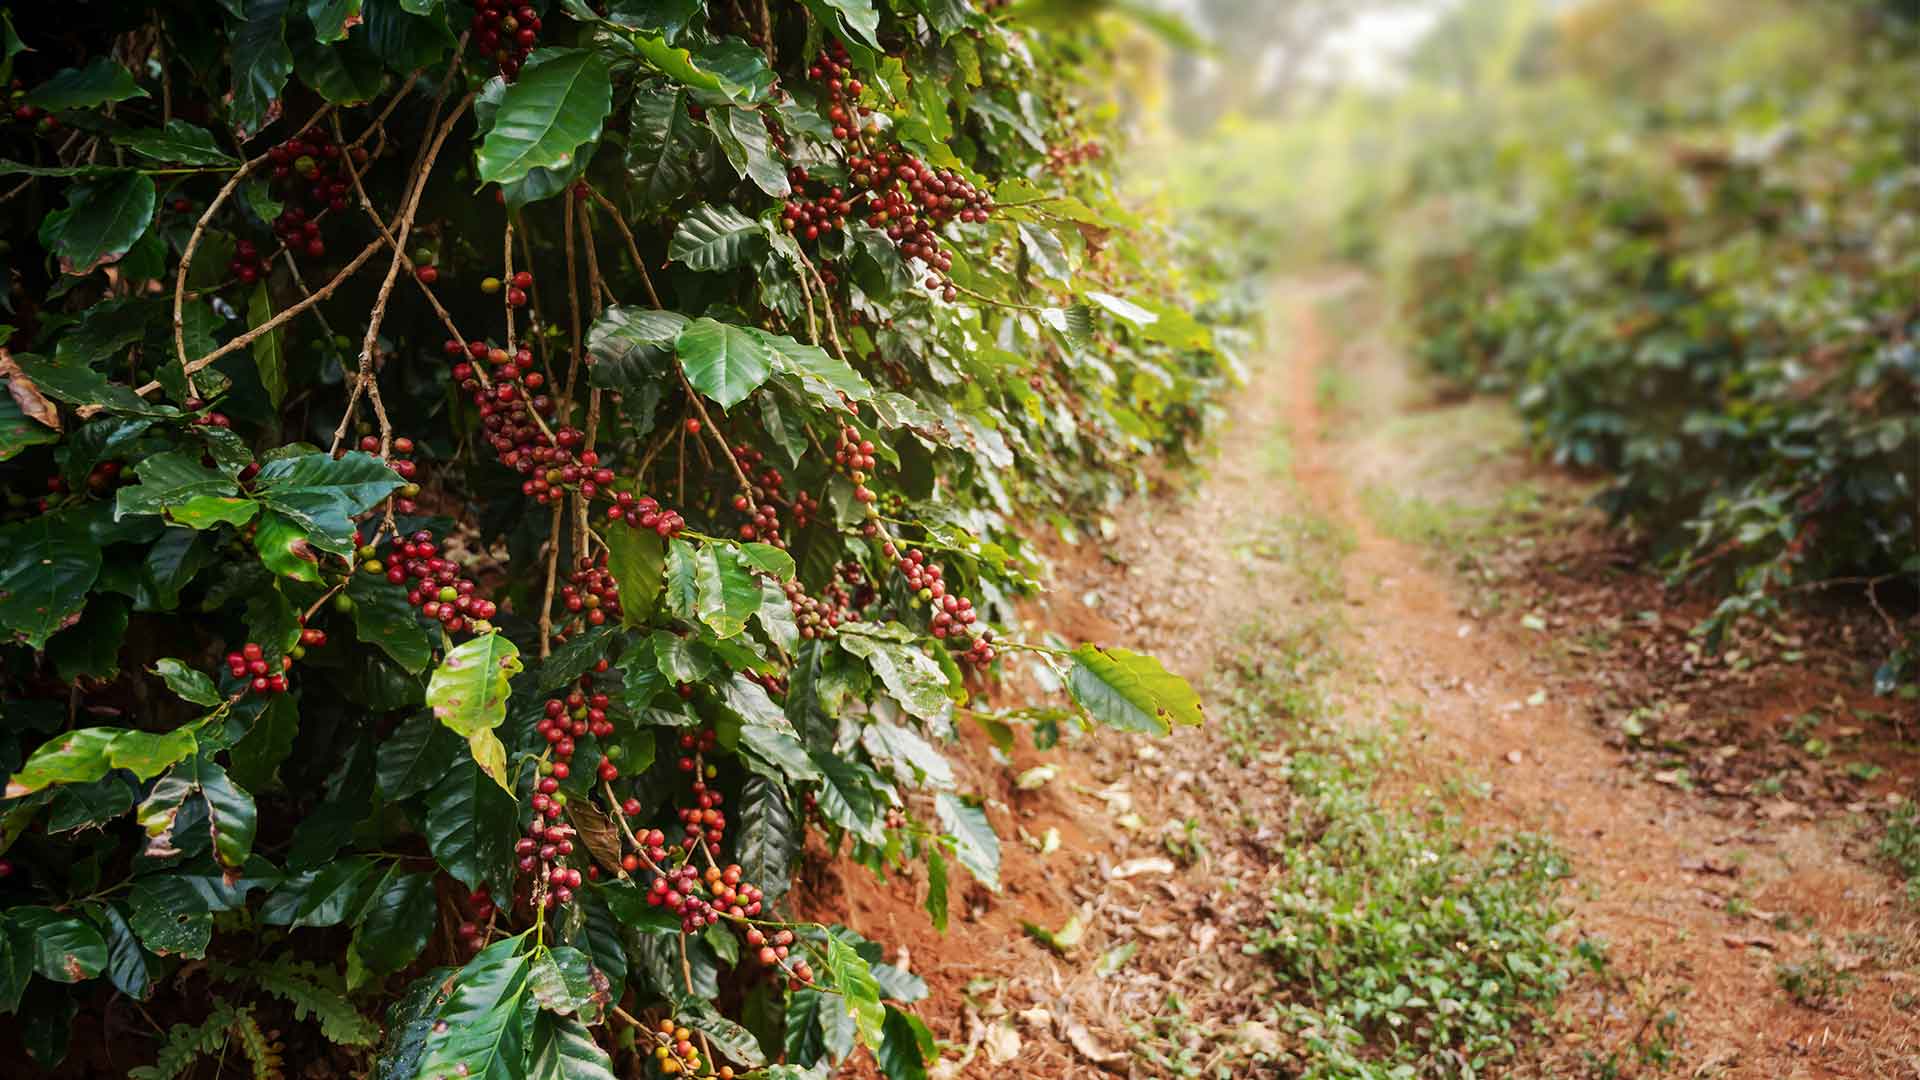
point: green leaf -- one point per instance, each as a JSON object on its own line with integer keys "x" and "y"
{"x": 418, "y": 753}
{"x": 231, "y": 814}
{"x": 937, "y": 887}
{"x": 127, "y": 964}
{"x": 1126, "y": 309}
{"x": 572, "y": 660}
{"x": 768, "y": 559}
{"x": 468, "y": 691}
{"x": 905, "y": 1046}
{"x": 179, "y": 143}
{"x": 188, "y": 684}
{"x": 327, "y": 896}
{"x": 469, "y": 825}
{"x": 729, "y": 595}
{"x": 729, "y": 1040}
{"x": 268, "y": 357}
{"x": 910, "y": 675}
{"x": 631, "y": 350}
{"x": 87, "y": 754}
{"x": 65, "y": 949}
{"x": 349, "y": 73}
{"x": 732, "y": 68}
{"x": 555, "y": 106}
{"x": 332, "y": 19}
{"x": 485, "y": 1025}
{"x": 561, "y": 1048}
{"x": 175, "y": 478}
{"x": 846, "y": 796}
{"x": 395, "y": 924}
{"x": 716, "y": 238}
{"x": 75, "y": 383}
{"x": 749, "y": 149}
{"x": 975, "y": 844}
{"x": 563, "y": 980}
{"x": 255, "y": 760}
{"x": 170, "y": 917}
{"x": 722, "y": 361}
{"x": 824, "y": 375}
{"x": 1131, "y": 691}
{"x": 323, "y": 494}
{"x": 382, "y": 617}
{"x": 283, "y": 548}
{"x": 857, "y": 17}
{"x": 18, "y": 431}
{"x": 663, "y": 146}
{"x": 682, "y": 593}
{"x": 859, "y": 993}
{"x": 101, "y": 222}
{"x": 101, "y": 82}
{"x": 637, "y": 559}
{"x": 767, "y": 836}
{"x": 261, "y": 63}
{"x": 404, "y": 40}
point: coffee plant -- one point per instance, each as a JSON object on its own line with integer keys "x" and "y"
{"x": 1711, "y": 296}
{"x": 491, "y": 488}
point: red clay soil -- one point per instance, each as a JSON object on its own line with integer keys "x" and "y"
{"x": 1699, "y": 897}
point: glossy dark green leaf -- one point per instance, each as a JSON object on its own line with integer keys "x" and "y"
{"x": 637, "y": 559}
{"x": 682, "y": 592}
{"x": 767, "y": 836}
{"x": 232, "y": 816}
{"x": 749, "y": 149}
{"x": 416, "y": 756}
{"x": 255, "y": 760}
{"x": 915, "y": 679}
{"x": 16, "y": 962}
{"x": 712, "y": 238}
{"x": 663, "y": 145}
{"x": 487, "y": 1022}
{"x": 128, "y": 965}
{"x": 409, "y": 1021}
{"x": 572, "y": 660}
{"x": 555, "y": 106}
{"x": 348, "y": 73}
{"x": 47, "y": 564}
{"x": 100, "y": 82}
{"x": 561, "y": 1048}
{"x": 403, "y": 40}
{"x": 332, "y": 19}
{"x": 169, "y": 916}
{"x": 323, "y": 493}
{"x": 722, "y": 361}
{"x": 396, "y": 922}
{"x": 728, "y": 594}
{"x": 824, "y": 375}
{"x": 65, "y": 949}
{"x": 327, "y": 896}
{"x": 261, "y": 62}
{"x": 171, "y": 480}
{"x": 91, "y": 647}
{"x": 469, "y": 824}
{"x": 905, "y": 1046}
{"x": 383, "y": 617}
{"x": 846, "y": 796}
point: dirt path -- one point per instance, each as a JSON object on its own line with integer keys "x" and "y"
{"x": 1168, "y": 849}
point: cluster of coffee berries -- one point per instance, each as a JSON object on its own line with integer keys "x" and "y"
{"x": 251, "y": 664}
{"x": 840, "y": 89}
{"x": 704, "y": 820}
{"x": 591, "y": 593}
{"x": 544, "y": 850}
{"x": 434, "y": 584}
{"x": 911, "y": 202}
{"x": 645, "y": 512}
{"x": 839, "y": 602}
{"x": 516, "y": 288}
{"x": 400, "y": 459}
{"x": 511, "y": 407}
{"x": 675, "y": 1053}
{"x": 1061, "y": 159}
{"x": 953, "y": 615}
{"x": 45, "y": 121}
{"x": 505, "y": 33}
{"x": 480, "y": 911}
{"x": 246, "y": 264}
{"x": 853, "y": 456}
{"x": 310, "y": 169}
{"x": 702, "y": 900}
{"x": 813, "y": 217}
